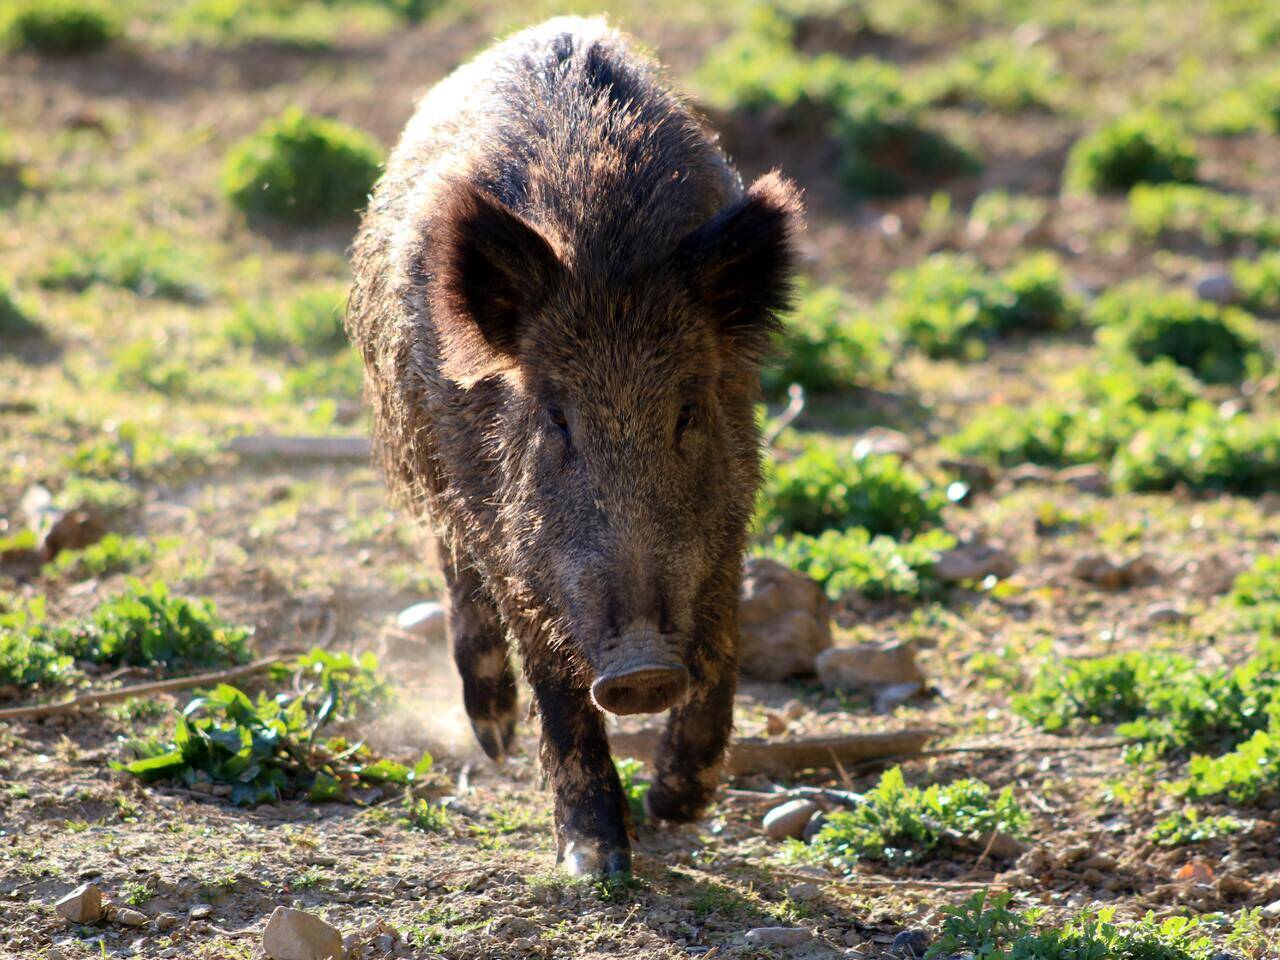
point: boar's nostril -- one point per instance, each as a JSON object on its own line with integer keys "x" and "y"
{"x": 650, "y": 689}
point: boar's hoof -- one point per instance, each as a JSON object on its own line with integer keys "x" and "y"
{"x": 584, "y": 858}
{"x": 674, "y": 806}
{"x": 650, "y": 689}
{"x": 496, "y": 737}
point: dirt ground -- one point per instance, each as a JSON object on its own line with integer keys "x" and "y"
{"x": 135, "y": 135}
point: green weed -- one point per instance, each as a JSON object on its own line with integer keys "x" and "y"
{"x": 898, "y": 823}
{"x": 341, "y": 684}
{"x": 1049, "y": 432}
{"x": 425, "y": 816}
{"x": 1217, "y": 344}
{"x": 828, "y": 347}
{"x": 60, "y": 27}
{"x": 823, "y": 488}
{"x": 15, "y": 321}
{"x": 853, "y": 560}
{"x": 633, "y": 788}
{"x": 1258, "y": 282}
{"x": 1256, "y": 596}
{"x": 1173, "y": 211}
{"x": 28, "y": 657}
{"x": 302, "y": 169}
{"x": 309, "y": 323}
{"x": 997, "y": 210}
{"x": 998, "y": 74}
{"x": 1187, "y": 825}
{"x": 1136, "y": 148}
{"x": 144, "y": 262}
{"x": 112, "y": 554}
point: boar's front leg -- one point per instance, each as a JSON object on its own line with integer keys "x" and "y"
{"x": 691, "y": 754}
{"x": 591, "y": 814}
{"x": 480, "y": 652}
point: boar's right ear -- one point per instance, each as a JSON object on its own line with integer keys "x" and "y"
{"x": 740, "y": 265}
{"x": 491, "y": 269}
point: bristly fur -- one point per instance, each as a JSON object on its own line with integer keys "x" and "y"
{"x": 562, "y": 294}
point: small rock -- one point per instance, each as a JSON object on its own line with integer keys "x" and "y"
{"x": 1166, "y": 613}
{"x": 1006, "y": 847}
{"x": 129, "y": 917}
{"x": 785, "y": 621}
{"x": 296, "y": 935}
{"x": 896, "y": 693}
{"x": 973, "y": 561}
{"x": 774, "y": 723}
{"x": 1029, "y": 473}
{"x": 910, "y": 944}
{"x": 200, "y": 911}
{"x": 1216, "y": 287}
{"x": 426, "y": 620}
{"x": 868, "y": 665}
{"x": 1212, "y": 574}
{"x": 82, "y": 905}
{"x": 881, "y": 441}
{"x": 794, "y": 709}
{"x": 165, "y": 921}
{"x": 1101, "y": 570}
{"x": 789, "y": 819}
{"x": 1272, "y": 910}
{"x": 778, "y": 936}
{"x": 804, "y": 892}
{"x": 1087, "y": 478}
{"x": 852, "y": 938}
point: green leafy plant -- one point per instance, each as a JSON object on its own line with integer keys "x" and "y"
{"x": 828, "y": 347}
{"x": 1217, "y": 344}
{"x": 1258, "y": 282}
{"x": 60, "y": 27}
{"x": 1256, "y": 596}
{"x": 425, "y": 816}
{"x": 144, "y": 625}
{"x": 997, "y": 210}
{"x": 633, "y": 788}
{"x": 853, "y": 560}
{"x": 897, "y": 823}
{"x": 28, "y": 655}
{"x": 336, "y": 684}
{"x": 112, "y": 554}
{"x": 310, "y": 323}
{"x": 823, "y": 488}
{"x": 1188, "y": 825}
{"x": 1173, "y": 211}
{"x": 266, "y": 750}
{"x": 998, "y": 74}
{"x": 144, "y": 262}
{"x": 949, "y": 306}
{"x": 1135, "y": 148}
{"x": 302, "y": 169}
{"x": 1047, "y": 432}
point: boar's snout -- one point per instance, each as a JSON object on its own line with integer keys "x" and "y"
{"x": 639, "y": 671}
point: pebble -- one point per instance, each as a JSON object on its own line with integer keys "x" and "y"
{"x": 868, "y": 664}
{"x": 426, "y": 620}
{"x": 1166, "y": 613}
{"x": 165, "y": 921}
{"x": 789, "y": 819}
{"x": 778, "y": 936}
{"x": 200, "y": 911}
{"x": 794, "y": 709}
{"x": 804, "y": 892}
{"x": 297, "y": 935}
{"x": 1216, "y": 287}
{"x": 910, "y": 944}
{"x": 974, "y": 561}
{"x": 1272, "y": 910}
{"x": 83, "y": 904}
{"x": 129, "y": 917}
{"x": 774, "y": 723}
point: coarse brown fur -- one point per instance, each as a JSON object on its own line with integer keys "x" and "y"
{"x": 562, "y": 295}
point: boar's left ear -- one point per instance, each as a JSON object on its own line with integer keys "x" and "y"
{"x": 492, "y": 268}
{"x": 739, "y": 264}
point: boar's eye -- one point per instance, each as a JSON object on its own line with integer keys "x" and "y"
{"x": 686, "y": 418}
{"x": 558, "y": 420}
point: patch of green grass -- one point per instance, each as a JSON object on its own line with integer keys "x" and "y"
{"x": 59, "y": 27}
{"x": 105, "y": 498}
{"x": 145, "y": 262}
{"x": 112, "y": 554}
{"x": 15, "y": 321}
{"x": 1135, "y": 148}
{"x": 828, "y": 347}
{"x": 985, "y": 928}
{"x": 948, "y": 305}
{"x": 997, "y": 210}
{"x": 1256, "y": 596}
{"x": 1187, "y": 825}
{"x": 309, "y": 323}
{"x": 1217, "y": 344}
{"x": 301, "y": 24}
{"x": 339, "y": 376}
{"x": 1120, "y": 381}
{"x": 997, "y": 74}
{"x": 853, "y": 560}
{"x": 28, "y": 657}
{"x": 150, "y": 365}
{"x": 1258, "y": 282}
{"x": 143, "y": 625}
{"x": 131, "y": 451}
{"x": 1050, "y": 433}
{"x": 269, "y": 749}
{"x": 898, "y": 823}
{"x": 1171, "y": 211}
{"x": 825, "y": 488}
{"x": 425, "y": 816}
{"x": 351, "y": 684}
{"x": 302, "y": 169}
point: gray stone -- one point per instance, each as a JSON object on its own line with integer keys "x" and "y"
{"x": 973, "y": 561}
{"x": 296, "y": 935}
{"x": 425, "y": 620}
{"x": 1166, "y": 613}
{"x": 1216, "y": 287}
{"x": 910, "y": 944}
{"x": 789, "y": 819}
{"x": 82, "y": 905}
{"x": 868, "y": 665}
{"x": 804, "y": 892}
{"x": 128, "y": 917}
{"x": 778, "y": 937}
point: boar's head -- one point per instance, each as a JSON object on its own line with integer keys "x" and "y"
{"x": 625, "y": 449}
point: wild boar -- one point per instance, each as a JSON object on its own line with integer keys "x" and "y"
{"x": 563, "y": 295}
